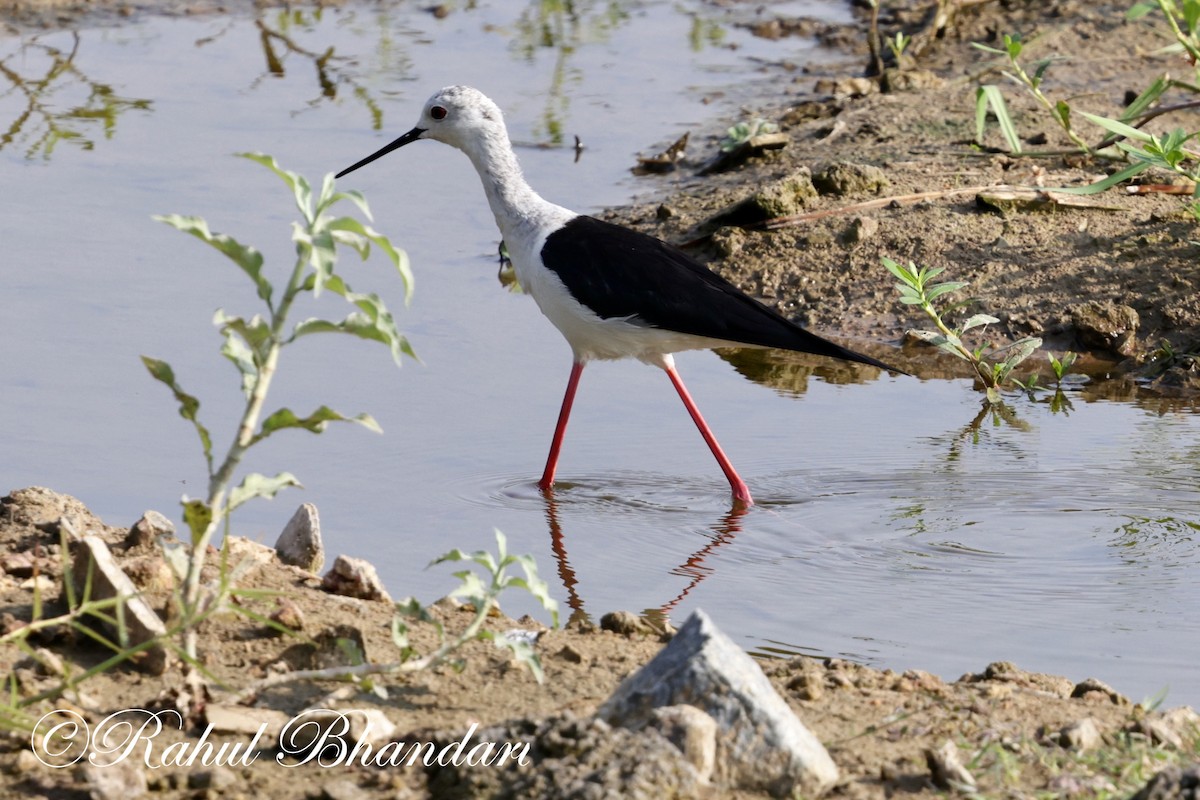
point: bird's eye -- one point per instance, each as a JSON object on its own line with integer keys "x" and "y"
{"x": 438, "y": 112}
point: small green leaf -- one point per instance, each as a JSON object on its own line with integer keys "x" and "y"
{"x": 188, "y": 405}
{"x": 301, "y": 191}
{"x": 198, "y": 516}
{"x": 1106, "y": 183}
{"x": 1139, "y": 10}
{"x": 942, "y": 288}
{"x": 1119, "y": 128}
{"x": 990, "y": 96}
{"x": 316, "y": 422}
{"x": 239, "y": 353}
{"x": 258, "y": 485}
{"x": 976, "y": 321}
{"x": 374, "y": 322}
{"x": 247, "y": 258}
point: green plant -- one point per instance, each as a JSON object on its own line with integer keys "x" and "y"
{"x": 898, "y": 44}
{"x": 1063, "y": 366}
{"x": 1166, "y": 151}
{"x": 1183, "y": 18}
{"x": 992, "y": 366}
{"x": 739, "y": 134}
{"x": 254, "y": 345}
{"x": 990, "y": 96}
{"x": 482, "y": 597}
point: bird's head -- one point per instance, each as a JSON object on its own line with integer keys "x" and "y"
{"x": 455, "y": 115}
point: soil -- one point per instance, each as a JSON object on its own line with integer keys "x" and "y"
{"x": 1113, "y": 281}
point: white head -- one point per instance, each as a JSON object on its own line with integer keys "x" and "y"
{"x": 456, "y": 115}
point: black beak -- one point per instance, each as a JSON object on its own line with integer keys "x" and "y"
{"x": 407, "y": 138}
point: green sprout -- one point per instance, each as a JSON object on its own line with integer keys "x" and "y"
{"x": 916, "y": 288}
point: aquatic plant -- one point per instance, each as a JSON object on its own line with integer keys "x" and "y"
{"x": 992, "y": 365}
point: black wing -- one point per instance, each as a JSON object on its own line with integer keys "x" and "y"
{"x": 618, "y": 272}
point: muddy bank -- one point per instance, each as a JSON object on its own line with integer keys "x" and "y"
{"x": 1113, "y": 277}
{"x": 1007, "y": 731}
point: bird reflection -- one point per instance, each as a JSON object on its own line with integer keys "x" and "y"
{"x": 693, "y": 567}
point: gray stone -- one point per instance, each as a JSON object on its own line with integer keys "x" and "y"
{"x": 780, "y": 198}
{"x": 844, "y": 178}
{"x": 1107, "y": 326}
{"x": 1173, "y": 783}
{"x": 122, "y": 780}
{"x": 354, "y": 577}
{"x": 1080, "y": 736}
{"x": 147, "y": 530}
{"x": 300, "y": 542}
{"x": 1178, "y": 728}
{"x": 246, "y": 723}
{"x": 1096, "y": 690}
{"x": 108, "y": 580}
{"x": 860, "y": 229}
{"x": 761, "y": 745}
{"x": 215, "y": 779}
{"x": 350, "y": 725}
{"x": 946, "y": 768}
{"x": 693, "y": 732}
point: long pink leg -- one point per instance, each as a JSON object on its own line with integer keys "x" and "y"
{"x": 741, "y": 492}
{"x": 547, "y": 480}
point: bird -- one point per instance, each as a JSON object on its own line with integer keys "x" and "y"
{"x": 611, "y": 291}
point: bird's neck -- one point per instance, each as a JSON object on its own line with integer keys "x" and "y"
{"x": 516, "y": 206}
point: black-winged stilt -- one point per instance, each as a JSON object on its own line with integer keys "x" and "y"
{"x": 612, "y": 292}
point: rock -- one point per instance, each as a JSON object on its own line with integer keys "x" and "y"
{"x": 288, "y": 614}
{"x": 860, "y": 229}
{"x": 1106, "y": 326}
{"x": 780, "y": 198}
{"x": 327, "y": 726}
{"x": 150, "y": 573}
{"x": 1080, "y": 736}
{"x": 846, "y": 87}
{"x": 1094, "y": 690}
{"x": 728, "y": 241}
{"x": 946, "y": 768}
{"x": 343, "y": 789}
{"x": 108, "y": 580}
{"x": 626, "y": 623}
{"x": 18, "y": 565}
{"x": 1173, "y": 783}
{"x": 300, "y": 542}
{"x": 42, "y": 508}
{"x": 761, "y": 744}
{"x": 215, "y": 779}
{"x": 570, "y": 654}
{"x": 569, "y": 756}
{"x": 845, "y": 178}
{"x": 122, "y": 780}
{"x": 693, "y": 732}
{"x": 354, "y": 577}
{"x": 48, "y": 663}
{"x": 1178, "y": 728}
{"x": 908, "y": 80}
{"x": 145, "y": 531}
{"x": 246, "y": 723}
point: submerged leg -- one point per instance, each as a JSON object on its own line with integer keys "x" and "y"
{"x": 547, "y": 480}
{"x": 741, "y": 492}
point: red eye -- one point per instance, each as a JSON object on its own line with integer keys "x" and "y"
{"x": 438, "y": 112}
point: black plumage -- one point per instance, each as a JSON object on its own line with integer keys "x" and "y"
{"x": 622, "y": 273}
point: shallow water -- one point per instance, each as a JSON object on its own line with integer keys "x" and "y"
{"x": 895, "y": 524}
